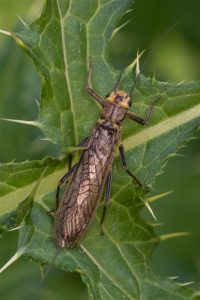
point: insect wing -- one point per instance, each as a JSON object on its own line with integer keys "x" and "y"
{"x": 80, "y": 200}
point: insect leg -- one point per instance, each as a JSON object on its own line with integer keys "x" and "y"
{"x": 82, "y": 143}
{"x": 124, "y": 164}
{"x": 107, "y": 195}
{"x": 89, "y": 88}
{"x": 62, "y": 181}
{"x": 143, "y": 121}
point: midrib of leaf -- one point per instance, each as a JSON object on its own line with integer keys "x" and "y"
{"x": 66, "y": 67}
{"x": 48, "y": 184}
{"x": 149, "y": 133}
{"x": 126, "y": 262}
{"x": 117, "y": 283}
{"x": 108, "y": 275}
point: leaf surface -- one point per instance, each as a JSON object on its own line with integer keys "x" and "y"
{"x": 117, "y": 264}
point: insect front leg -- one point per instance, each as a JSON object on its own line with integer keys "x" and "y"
{"x": 143, "y": 121}
{"x": 107, "y": 195}
{"x": 124, "y": 164}
{"x": 89, "y": 88}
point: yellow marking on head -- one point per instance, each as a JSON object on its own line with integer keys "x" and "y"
{"x": 125, "y": 99}
{"x": 113, "y": 98}
{"x": 123, "y": 104}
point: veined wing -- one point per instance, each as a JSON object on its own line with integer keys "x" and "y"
{"x": 81, "y": 198}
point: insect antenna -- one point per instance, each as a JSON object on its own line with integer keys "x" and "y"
{"x": 118, "y": 81}
{"x": 148, "y": 57}
{"x": 121, "y": 72}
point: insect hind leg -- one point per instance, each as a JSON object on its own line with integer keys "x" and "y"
{"x": 63, "y": 180}
{"x": 107, "y": 196}
{"x": 124, "y": 164}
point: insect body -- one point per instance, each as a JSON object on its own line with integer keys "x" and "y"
{"x": 94, "y": 169}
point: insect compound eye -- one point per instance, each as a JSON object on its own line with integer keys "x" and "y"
{"x": 118, "y": 99}
{"x": 107, "y": 95}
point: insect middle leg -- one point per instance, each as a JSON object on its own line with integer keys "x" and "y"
{"x": 82, "y": 143}
{"x": 124, "y": 164}
{"x": 107, "y": 195}
{"x": 63, "y": 180}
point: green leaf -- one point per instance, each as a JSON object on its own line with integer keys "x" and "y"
{"x": 19, "y": 179}
{"x": 117, "y": 264}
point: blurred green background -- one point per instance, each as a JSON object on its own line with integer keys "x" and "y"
{"x": 176, "y": 58}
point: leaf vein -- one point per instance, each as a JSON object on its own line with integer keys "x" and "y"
{"x": 66, "y": 70}
{"x": 117, "y": 284}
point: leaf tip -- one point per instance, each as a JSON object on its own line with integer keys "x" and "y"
{"x": 172, "y": 235}
{"x": 137, "y": 64}
{"x": 150, "y": 209}
{"x": 135, "y": 61}
{"x": 119, "y": 28}
{"x": 5, "y": 32}
{"x": 159, "y": 196}
{"x": 22, "y": 21}
{"x": 16, "y": 256}
{"x": 185, "y": 283}
{"x": 25, "y": 122}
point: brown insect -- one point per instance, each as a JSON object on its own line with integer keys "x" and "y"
{"x": 93, "y": 172}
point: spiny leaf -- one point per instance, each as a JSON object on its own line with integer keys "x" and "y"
{"x": 18, "y": 179}
{"x": 117, "y": 264}
{"x": 15, "y": 218}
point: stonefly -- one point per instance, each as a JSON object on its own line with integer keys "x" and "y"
{"x": 93, "y": 172}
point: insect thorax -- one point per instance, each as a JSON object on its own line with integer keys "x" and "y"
{"x": 113, "y": 113}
